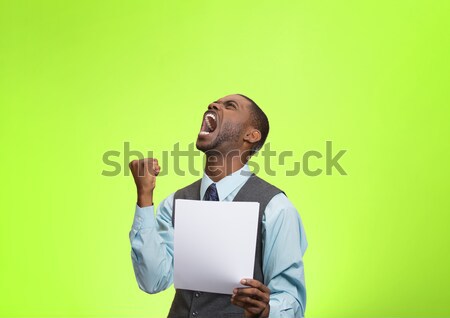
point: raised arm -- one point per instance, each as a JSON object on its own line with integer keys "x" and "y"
{"x": 151, "y": 238}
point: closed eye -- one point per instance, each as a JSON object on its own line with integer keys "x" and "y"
{"x": 230, "y": 105}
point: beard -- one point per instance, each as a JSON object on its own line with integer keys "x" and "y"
{"x": 229, "y": 134}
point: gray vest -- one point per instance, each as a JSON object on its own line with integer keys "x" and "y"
{"x": 187, "y": 303}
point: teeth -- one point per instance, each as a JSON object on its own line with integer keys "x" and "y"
{"x": 211, "y": 115}
{"x": 208, "y": 124}
{"x": 208, "y": 115}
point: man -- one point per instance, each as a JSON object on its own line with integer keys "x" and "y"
{"x": 233, "y": 129}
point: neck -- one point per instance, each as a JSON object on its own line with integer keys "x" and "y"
{"x": 218, "y": 166}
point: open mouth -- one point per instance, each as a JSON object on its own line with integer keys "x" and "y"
{"x": 209, "y": 123}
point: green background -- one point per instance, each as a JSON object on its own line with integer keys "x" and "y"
{"x": 79, "y": 78}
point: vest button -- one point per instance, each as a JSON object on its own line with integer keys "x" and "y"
{"x": 194, "y": 314}
{"x": 197, "y": 294}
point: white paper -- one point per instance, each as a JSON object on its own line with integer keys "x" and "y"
{"x": 214, "y": 244}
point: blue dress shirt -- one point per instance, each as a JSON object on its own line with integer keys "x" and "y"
{"x": 283, "y": 240}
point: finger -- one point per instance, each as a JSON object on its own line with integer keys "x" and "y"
{"x": 238, "y": 303}
{"x": 249, "y": 301}
{"x": 142, "y": 168}
{"x": 133, "y": 164}
{"x": 154, "y": 169}
{"x": 255, "y": 283}
{"x": 244, "y": 305}
{"x": 252, "y": 292}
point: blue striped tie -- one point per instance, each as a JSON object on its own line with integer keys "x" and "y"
{"x": 211, "y": 193}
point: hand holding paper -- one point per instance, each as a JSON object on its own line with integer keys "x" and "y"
{"x": 254, "y": 300}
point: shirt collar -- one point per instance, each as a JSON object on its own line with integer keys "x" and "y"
{"x": 227, "y": 184}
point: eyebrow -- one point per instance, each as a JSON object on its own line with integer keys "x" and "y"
{"x": 229, "y": 101}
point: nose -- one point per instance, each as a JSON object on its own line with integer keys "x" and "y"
{"x": 215, "y": 106}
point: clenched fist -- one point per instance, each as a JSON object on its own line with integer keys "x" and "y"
{"x": 144, "y": 173}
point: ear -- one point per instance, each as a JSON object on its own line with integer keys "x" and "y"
{"x": 252, "y": 136}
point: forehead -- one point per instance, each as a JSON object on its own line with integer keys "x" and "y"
{"x": 241, "y": 101}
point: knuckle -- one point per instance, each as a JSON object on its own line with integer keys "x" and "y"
{"x": 254, "y": 310}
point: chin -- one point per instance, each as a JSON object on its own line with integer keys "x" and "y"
{"x": 202, "y": 146}
{"x": 207, "y": 146}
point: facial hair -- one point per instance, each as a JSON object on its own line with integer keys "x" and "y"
{"x": 228, "y": 133}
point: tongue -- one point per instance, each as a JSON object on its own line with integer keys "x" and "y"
{"x": 204, "y": 126}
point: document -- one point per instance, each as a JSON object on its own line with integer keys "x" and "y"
{"x": 214, "y": 244}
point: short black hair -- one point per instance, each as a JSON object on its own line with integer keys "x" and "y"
{"x": 260, "y": 121}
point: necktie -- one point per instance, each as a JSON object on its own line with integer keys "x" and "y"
{"x": 211, "y": 193}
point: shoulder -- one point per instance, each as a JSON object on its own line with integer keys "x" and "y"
{"x": 280, "y": 205}
{"x": 262, "y": 184}
{"x": 280, "y": 212}
{"x": 281, "y": 216}
{"x": 166, "y": 205}
{"x": 193, "y": 187}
